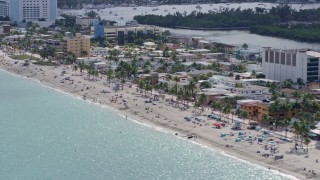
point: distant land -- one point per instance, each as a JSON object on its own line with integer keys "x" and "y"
{"x": 77, "y": 3}
{"x": 280, "y": 21}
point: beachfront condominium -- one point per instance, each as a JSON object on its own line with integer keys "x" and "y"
{"x": 79, "y": 45}
{"x": 33, "y": 10}
{"x": 4, "y": 8}
{"x": 281, "y": 65}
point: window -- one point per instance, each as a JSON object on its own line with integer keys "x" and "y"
{"x": 288, "y": 59}
{"x": 277, "y": 57}
{"x": 283, "y": 58}
{"x": 294, "y": 56}
{"x": 271, "y": 56}
{"x": 266, "y": 56}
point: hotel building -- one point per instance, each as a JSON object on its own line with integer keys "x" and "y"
{"x": 32, "y": 10}
{"x": 281, "y": 65}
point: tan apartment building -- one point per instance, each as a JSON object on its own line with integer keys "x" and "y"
{"x": 79, "y": 45}
{"x": 257, "y": 111}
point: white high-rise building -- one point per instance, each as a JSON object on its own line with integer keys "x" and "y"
{"x": 281, "y": 65}
{"x": 33, "y": 10}
{"x": 4, "y": 8}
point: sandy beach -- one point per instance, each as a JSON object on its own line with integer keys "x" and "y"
{"x": 130, "y": 103}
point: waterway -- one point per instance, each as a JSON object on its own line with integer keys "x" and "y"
{"x": 234, "y": 37}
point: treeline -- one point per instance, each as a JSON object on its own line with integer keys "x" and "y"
{"x": 221, "y": 19}
{"x": 274, "y": 22}
{"x": 7, "y": 18}
{"x": 299, "y": 33}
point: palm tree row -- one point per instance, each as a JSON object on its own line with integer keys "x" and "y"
{"x": 89, "y": 68}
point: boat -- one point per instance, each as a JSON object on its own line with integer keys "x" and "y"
{"x": 121, "y": 17}
{"x": 210, "y": 5}
{"x": 115, "y": 14}
{"x": 228, "y": 4}
{"x": 110, "y": 12}
{"x": 174, "y": 8}
{"x": 108, "y": 6}
{"x": 198, "y": 7}
{"x": 165, "y": 10}
{"x": 155, "y": 9}
{"x": 134, "y": 8}
{"x": 260, "y": 4}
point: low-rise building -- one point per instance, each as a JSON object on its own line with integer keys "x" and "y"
{"x": 58, "y": 45}
{"x": 227, "y": 81}
{"x": 149, "y": 45}
{"x": 257, "y": 110}
{"x": 99, "y": 51}
{"x": 183, "y": 80}
{"x": 214, "y": 94}
{"x": 86, "y": 22}
{"x": 151, "y": 78}
{"x": 253, "y": 92}
{"x": 251, "y": 108}
{"x": 13, "y": 38}
{"x": 263, "y": 110}
{"x": 5, "y": 29}
{"x": 89, "y": 60}
{"x": 185, "y": 56}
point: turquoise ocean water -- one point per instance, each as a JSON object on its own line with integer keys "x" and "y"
{"x": 46, "y": 134}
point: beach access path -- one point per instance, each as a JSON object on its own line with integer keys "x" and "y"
{"x": 130, "y": 103}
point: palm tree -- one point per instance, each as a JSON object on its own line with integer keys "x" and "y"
{"x": 266, "y": 119}
{"x": 275, "y": 108}
{"x": 172, "y": 92}
{"x": 243, "y": 115}
{"x": 307, "y": 141}
{"x": 300, "y": 82}
{"x": 227, "y": 110}
{"x": 286, "y": 123}
{"x": 75, "y": 68}
{"x": 215, "y": 106}
{"x": 296, "y": 129}
{"x": 122, "y": 83}
{"x": 96, "y": 74}
{"x": 148, "y": 87}
{"x": 81, "y": 67}
{"x": 297, "y": 94}
{"x": 202, "y": 99}
{"x": 110, "y": 75}
{"x": 192, "y": 86}
{"x": 141, "y": 84}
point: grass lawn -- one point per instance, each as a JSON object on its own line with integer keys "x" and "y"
{"x": 23, "y": 57}
{"x": 45, "y": 63}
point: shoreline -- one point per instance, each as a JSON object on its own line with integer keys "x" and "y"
{"x": 204, "y": 141}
